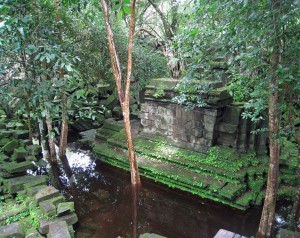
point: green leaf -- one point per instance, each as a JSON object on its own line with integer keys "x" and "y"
{"x": 126, "y": 1}
{"x": 120, "y": 15}
{"x": 22, "y": 32}
{"x": 116, "y": 7}
{"x": 126, "y": 9}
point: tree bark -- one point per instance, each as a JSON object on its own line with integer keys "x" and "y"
{"x": 50, "y": 138}
{"x": 268, "y": 214}
{"x": 123, "y": 97}
{"x": 167, "y": 27}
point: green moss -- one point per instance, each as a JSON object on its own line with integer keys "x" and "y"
{"x": 246, "y": 199}
{"x": 286, "y": 192}
{"x": 257, "y": 171}
{"x": 260, "y": 198}
{"x": 230, "y": 191}
{"x": 256, "y": 185}
{"x": 222, "y": 174}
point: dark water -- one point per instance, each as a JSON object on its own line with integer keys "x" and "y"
{"x": 104, "y": 204}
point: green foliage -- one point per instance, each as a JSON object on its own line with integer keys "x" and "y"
{"x": 241, "y": 34}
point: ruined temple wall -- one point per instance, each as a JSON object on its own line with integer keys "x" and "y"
{"x": 200, "y": 128}
{"x": 186, "y": 127}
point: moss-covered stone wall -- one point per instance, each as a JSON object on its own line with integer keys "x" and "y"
{"x": 218, "y": 123}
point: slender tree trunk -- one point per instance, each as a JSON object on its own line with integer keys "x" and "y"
{"x": 268, "y": 213}
{"x": 43, "y": 140}
{"x": 123, "y": 97}
{"x": 52, "y": 151}
{"x": 63, "y": 141}
{"x": 29, "y": 126}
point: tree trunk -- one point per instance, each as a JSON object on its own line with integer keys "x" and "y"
{"x": 42, "y": 139}
{"x": 123, "y": 97}
{"x": 29, "y": 125}
{"x": 52, "y": 151}
{"x": 268, "y": 213}
{"x": 135, "y": 178}
{"x": 167, "y": 27}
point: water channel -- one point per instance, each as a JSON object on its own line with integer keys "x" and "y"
{"x": 106, "y": 209}
{"x": 104, "y": 204}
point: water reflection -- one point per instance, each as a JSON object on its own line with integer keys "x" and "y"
{"x": 108, "y": 207}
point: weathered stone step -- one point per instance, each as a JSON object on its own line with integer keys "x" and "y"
{"x": 14, "y": 167}
{"x": 12, "y": 230}
{"x": 103, "y": 134}
{"x": 171, "y": 175}
{"x": 172, "y": 183}
{"x": 183, "y": 158}
{"x": 17, "y": 184}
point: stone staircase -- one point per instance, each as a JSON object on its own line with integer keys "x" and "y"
{"x": 222, "y": 174}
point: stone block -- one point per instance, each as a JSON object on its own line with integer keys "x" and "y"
{"x": 208, "y": 134}
{"x": 58, "y": 229}
{"x": 209, "y": 120}
{"x": 144, "y": 122}
{"x": 163, "y": 124}
{"x": 178, "y": 112}
{"x": 144, "y": 115}
{"x": 70, "y": 219}
{"x": 18, "y": 167}
{"x": 13, "y": 230}
{"x": 144, "y": 107}
{"x": 117, "y": 112}
{"x": 31, "y": 191}
{"x": 227, "y": 128}
{"x": 232, "y": 114}
{"x": 161, "y": 110}
{"x": 3, "y": 142}
{"x": 33, "y": 233}
{"x": 45, "y": 194}
{"x": 152, "y": 116}
{"x": 31, "y": 158}
{"x": 197, "y": 132}
{"x": 12, "y": 212}
{"x": 65, "y": 208}
{"x": 47, "y": 208}
{"x": 7, "y": 175}
{"x": 6, "y": 134}
{"x": 20, "y": 153}
{"x": 111, "y": 102}
{"x": 25, "y": 142}
{"x": 211, "y": 112}
{"x": 17, "y": 184}
{"x": 4, "y": 158}
{"x": 10, "y": 147}
{"x": 188, "y": 126}
{"x": 21, "y": 134}
{"x": 34, "y": 149}
{"x": 209, "y": 127}
{"x": 108, "y": 114}
{"x": 134, "y": 108}
{"x": 2, "y": 125}
{"x": 153, "y": 109}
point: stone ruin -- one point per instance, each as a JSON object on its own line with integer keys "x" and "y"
{"x": 220, "y": 122}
